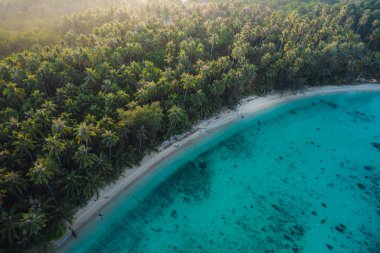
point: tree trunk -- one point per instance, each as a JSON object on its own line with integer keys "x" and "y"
{"x": 30, "y": 156}
{"x": 370, "y": 30}
{"x": 184, "y": 99}
{"x": 281, "y": 45}
{"x": 357, "y": 30}
{"x": 170, "y": 127}
{"x": 51, "y": 191}
{"x": 59, "y": 162}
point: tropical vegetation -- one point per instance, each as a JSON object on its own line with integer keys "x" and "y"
{"x": 75, "y": 115}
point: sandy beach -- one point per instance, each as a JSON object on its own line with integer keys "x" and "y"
{"x": 167, "y": 149}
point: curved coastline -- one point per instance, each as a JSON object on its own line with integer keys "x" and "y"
{"x": 168, "y": 149}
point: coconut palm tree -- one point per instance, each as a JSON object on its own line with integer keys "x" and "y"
{"x": 190, "y": 82}
{"x": 14, "y": 123}
{"x": 176, "y": 116}
{"x": 24, "y": 144}
{"x": 199, "y": 102}
{"x": 83, "y": 133}
{"x": 72, "y": 185}
{"x": 103, "y": 166}
{"x": 14, "y": 181}
{"x": 41, "y": 172}
{"x": 84, "y": 157}
{"x": 363, "y": 20}
{"x": 170, "y": 53}
{"x": 54, "y": 146}
{"x": 141, "y": 136}
{"x": 375, "y": 24}
{"x": 9, "y": 228}
{"x": 90, "y": 77}
{"x": 60, "y": 127}
{"x": 110, "y": 139}
{"x": 32, "y": 222}
{"x": 212, "y": 40}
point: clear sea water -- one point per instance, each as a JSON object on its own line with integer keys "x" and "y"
{"x": 299, "y": 177}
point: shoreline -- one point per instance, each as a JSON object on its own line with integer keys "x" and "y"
{"x": 168, "y": 149}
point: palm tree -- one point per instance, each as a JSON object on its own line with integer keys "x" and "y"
{"x": 109, "y": 101}
{"x": 108, "y": 86}
{"x": 141, "y": 136}
{"x": 14, "y": 181}
{"x": 30, "y": 127}
{"x": 14, "y": 123}
{"x": 83, "y": 133}
{"x": 147, "y": 93}
{"x": 49, "y": 106}
{"x": 103, "y": 166}
{"x": 90, "y": 76}
{"x": 9, "y": 225}
{"x": 24, "y": 144}
{"x": 84, "y": 157}
{"x": 363, "y": 20}
{"x": 42, "y": 171}
{"x": 375, "y": 23}
{"x": 60, "y": 127}
{"x": 133, "y": 51}
{"x": 32, "y": 222}
{"x": 200, "y": 102}
{"x": 109, "y": 139}
{"x": 54, "y": 146}
{"x": 212, "y": 40}
{"x": 71, "y": 106}
{"x": 176, "y": 116}
{"x": 73, "y": 186}
{"x": 170, "y": 51}
{"x": 375, "y": 34}
{"x": 190, "y": 82}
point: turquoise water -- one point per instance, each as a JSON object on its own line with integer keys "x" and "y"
{"x": 300, "y": 177}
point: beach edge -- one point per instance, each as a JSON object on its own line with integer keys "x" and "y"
{"x": 246, "y": 107}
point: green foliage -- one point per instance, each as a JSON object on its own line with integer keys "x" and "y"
{"x": 75, "y": 115}
{"x": 148, "y": 116}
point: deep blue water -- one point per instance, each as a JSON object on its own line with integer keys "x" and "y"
{"x": 300, "y": 177}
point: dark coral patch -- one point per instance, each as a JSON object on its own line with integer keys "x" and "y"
{"x": 376, "y": 145}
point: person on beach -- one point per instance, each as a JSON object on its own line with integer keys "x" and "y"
{"x": 73, "y": 233}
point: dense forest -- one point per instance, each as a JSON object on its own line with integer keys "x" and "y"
{"x": 119, "y": 81}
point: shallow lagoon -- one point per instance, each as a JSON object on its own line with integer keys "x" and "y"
{"x": 300, "y": 177}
